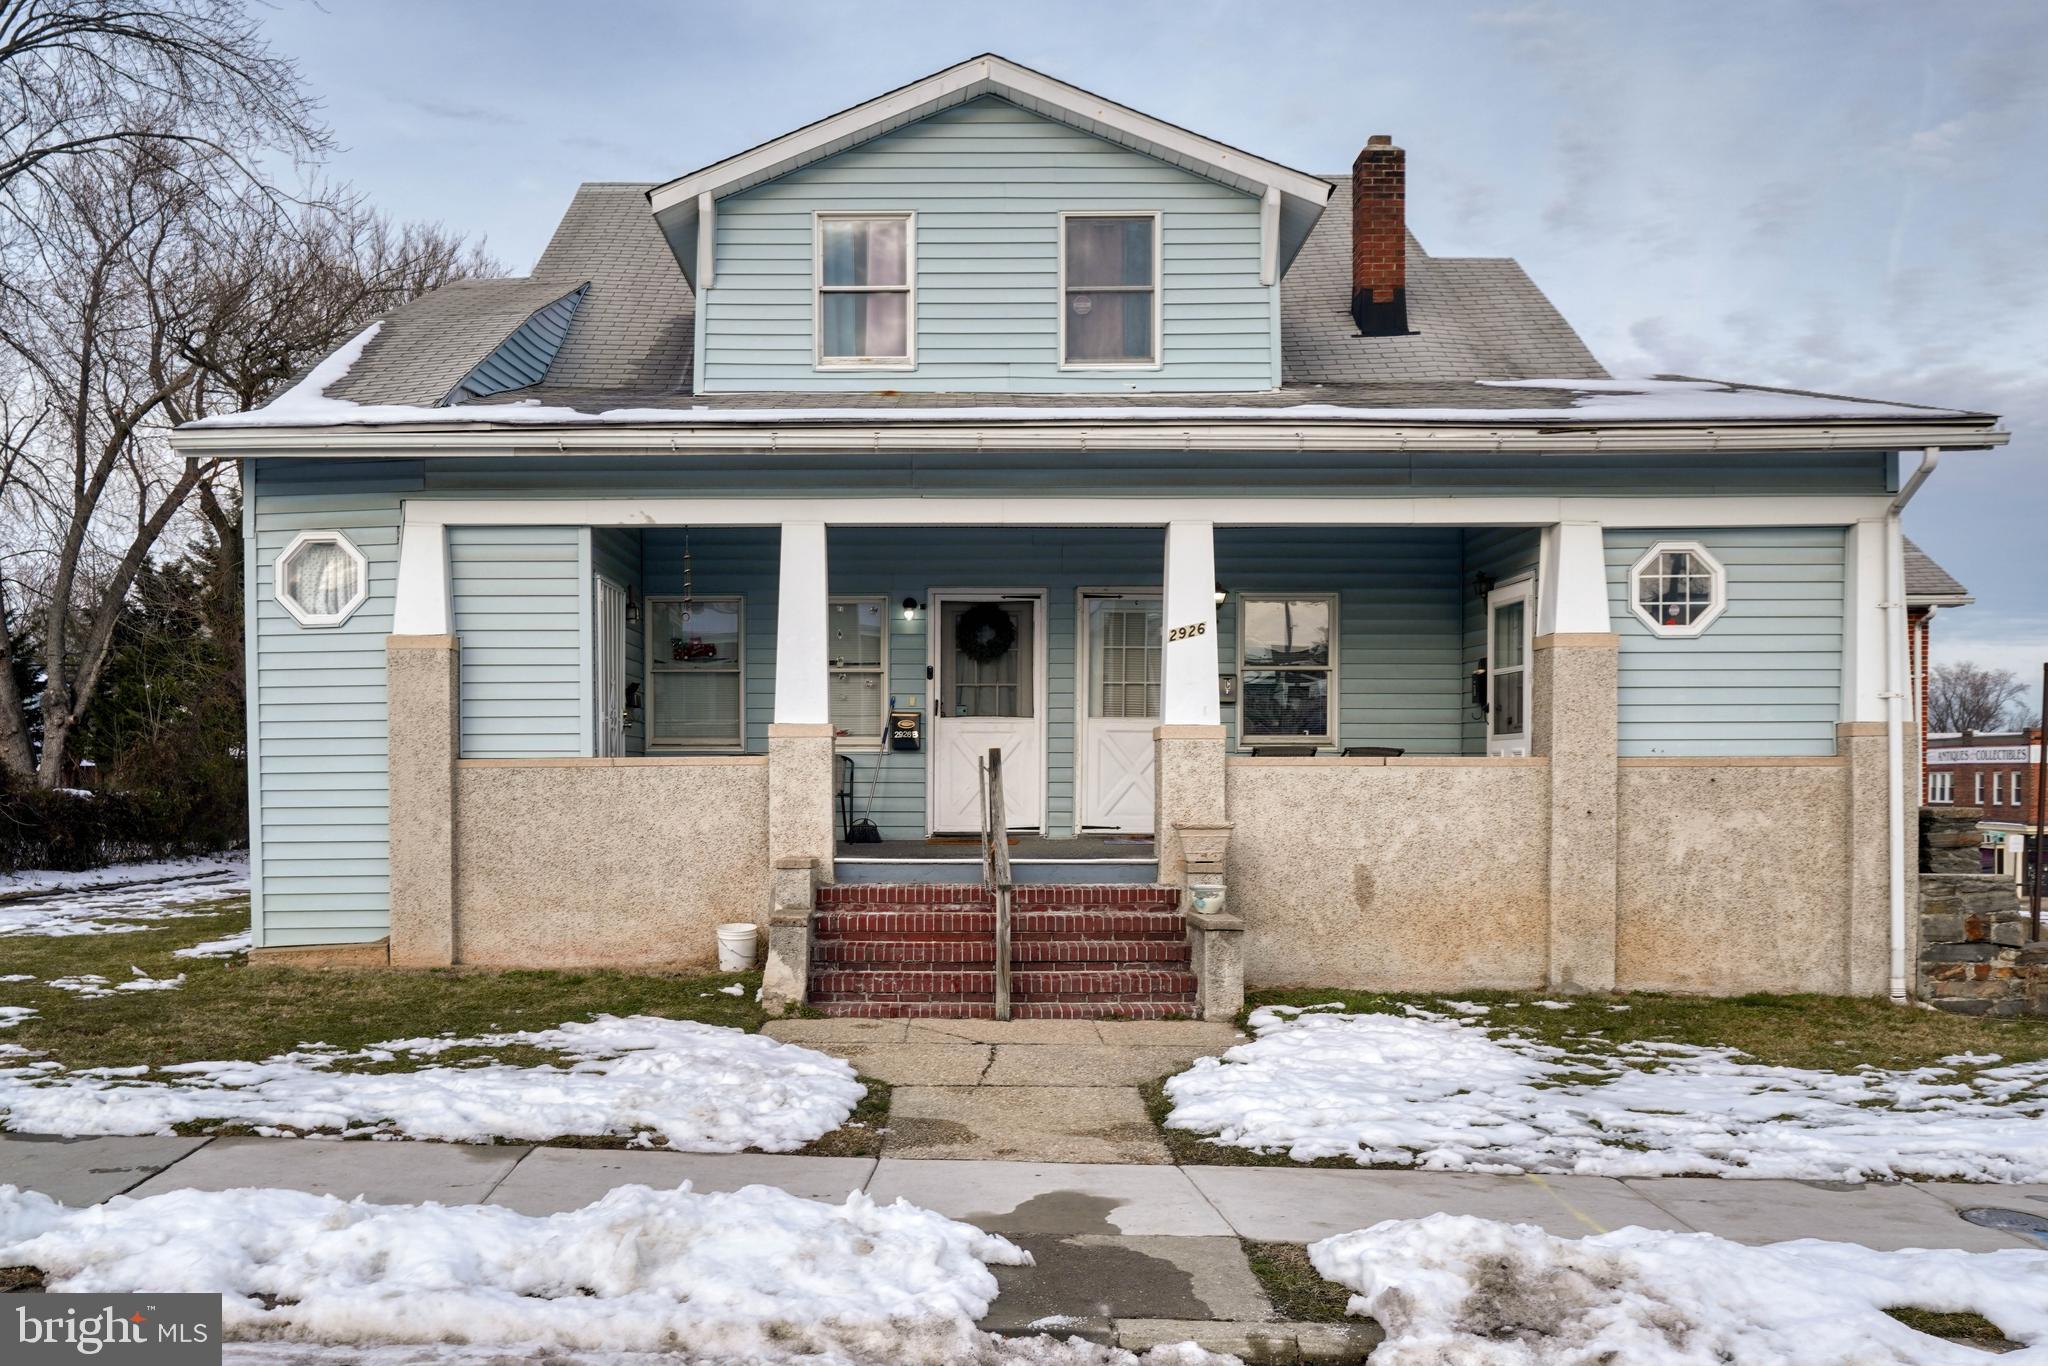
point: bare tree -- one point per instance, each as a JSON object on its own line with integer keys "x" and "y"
{"x": 1964, "y": 696}
{"x": 146, "y": 296}
{"x": 90, "y": 78}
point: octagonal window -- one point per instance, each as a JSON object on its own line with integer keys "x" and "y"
{"x": 1678, "y": 589}
{"x": 322, "y": 578}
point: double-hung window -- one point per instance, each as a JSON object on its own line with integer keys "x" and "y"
{"x": 1287, "y": 667}
{"x": 1977, "y": 788}
{"x": 1109, "y": 290}
{"x": 2016, "y": 800}
{"x": 695, "y": 682}
{"x": 1998, "y": 789}
{"x": 1941, "y": 789}
{"x": 858, "y": 631}
{"x": 866, "y": 305}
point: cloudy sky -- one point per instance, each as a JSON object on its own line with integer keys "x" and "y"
{"x": 1846, "y": 196}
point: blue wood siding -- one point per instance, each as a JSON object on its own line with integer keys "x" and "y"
{"x": 1766, "y": 677}
{"x": 1501, "y": 553}
{"x": 615, "y": 555}
{"x": 1391, "y": 473}
{"x": 524, "y": 357}
{"x": 1399, "y": 670}
{"x": 319, "y": 796}
{"x": 519, "y": 596}
{"x": 988, "y": 182}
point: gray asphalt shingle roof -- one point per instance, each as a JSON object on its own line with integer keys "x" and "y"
{"x": 1927, "y": 581}
{"x": 427, "y": 348}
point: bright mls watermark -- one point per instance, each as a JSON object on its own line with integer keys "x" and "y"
{"x": 165, "y": 1330}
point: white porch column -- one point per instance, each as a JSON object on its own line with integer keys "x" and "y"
{"x": 1188, "y": 665}
{"x": 802, "y": 631}
{"x": 1571, "y": 588}
{"x": 1863, "y": 624}
{"x": 421, "y": 606}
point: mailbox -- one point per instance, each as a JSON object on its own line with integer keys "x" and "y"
{"x": 906, "y": 729}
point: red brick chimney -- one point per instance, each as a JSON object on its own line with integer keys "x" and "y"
{"x": 1379, "y": 239}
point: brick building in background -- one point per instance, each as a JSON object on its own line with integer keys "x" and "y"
{"x": 1929, "y": 588}
{"x": 1995, "y": 773}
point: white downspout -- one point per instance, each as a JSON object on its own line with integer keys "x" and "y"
{"x": 1894, "y": 605}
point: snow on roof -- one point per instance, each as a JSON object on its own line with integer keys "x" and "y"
{"x": 310, "y": 404}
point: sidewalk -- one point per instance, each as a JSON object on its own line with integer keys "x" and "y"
{"x": 1126, "y": 1252}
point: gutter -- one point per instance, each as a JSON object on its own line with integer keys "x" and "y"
{"x": 791, "y": 434}
{"x": 1894, "y": 605}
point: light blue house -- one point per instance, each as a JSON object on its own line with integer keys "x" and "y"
{"x": 587, "y": 609}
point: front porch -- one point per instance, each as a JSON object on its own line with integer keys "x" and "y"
{"x": 1447, "y": 761}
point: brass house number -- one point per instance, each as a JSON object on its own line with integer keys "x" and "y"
{"x": 1200, "y": 628}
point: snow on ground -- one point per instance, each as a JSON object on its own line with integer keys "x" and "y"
{"x": 674, "y": 1083}
{"x": 1451, "y": 1288}
{"x": 123, "y": 910}
{"x": 36, "y": 881}
{"x": 227, "y": 947}
{"x": 91, "y": 985}
{"x": 14, "y": 1015}
{"x": 1431, "y": 1091}
{"x": 754, "y": 1271}
{"x": 972, "y": 1349}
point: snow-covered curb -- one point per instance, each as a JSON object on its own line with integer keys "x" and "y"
{"x": 1433, "y": 1091}
{"x": 755, "y": 1271}
{"x": 1451, "y": 1288}
{"x": 669, "y": 1083}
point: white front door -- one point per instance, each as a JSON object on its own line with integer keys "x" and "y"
{"x": 988, "y": 658}
{"x": 1121, "y": 638}
{"x": 1507, "y": 668}
{"x": 609, "y": 728}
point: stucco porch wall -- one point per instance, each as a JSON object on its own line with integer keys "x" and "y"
{"x": 1735, "y": 875}
{"x": 1397, "y": 874}
{"x": 606, "y": 862}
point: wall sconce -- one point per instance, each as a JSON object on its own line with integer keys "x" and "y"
{"x": 1222, "y": 595}
{"x": 1482, "y": 583}
{"x": 632, "y": 608}
{"x": 911, "y": 607}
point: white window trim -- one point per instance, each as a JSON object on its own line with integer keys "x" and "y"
{"x": 651, "y": 660}
{"x": 2017, "y": 797}
{"x": 1520, "y": 589}
{"x": 899, "y": 364}
{"x": 1941, "y": 789}
{"x": 1998, "y": 787}
{"x": 1158, "y": 293}
{"x": 863, "y": 743}
{"x": 320, "y": 619}
{"x": 1715, "y": 608}
{"x": 1327, "y": 740}
{"x": 1978, "y": 788}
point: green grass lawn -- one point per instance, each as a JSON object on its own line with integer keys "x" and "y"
{"x": 228, "y": 1009}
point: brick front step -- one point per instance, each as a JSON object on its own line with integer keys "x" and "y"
{"x": 1021, "y": 1010}
{"x": 880, "y": 923}
{"x": 1080, "y": 924}
{"x": 838, "y": 895}
{"x": 967, "y": 983}
{"x": 1025, "y": 926}
{"x": 1025, "y": 955}
{"x": 906, "y": 952}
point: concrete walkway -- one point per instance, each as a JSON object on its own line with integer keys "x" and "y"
{"x": 1038, "y": 1090}
{"x": 1133, "y": 1253}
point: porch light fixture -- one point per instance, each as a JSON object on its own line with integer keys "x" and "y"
{"x": 911, "y": 607}
{"x": 632, "y": 608}
{"x": 1222, "y": 596}
{"x": 1482, "y": 583}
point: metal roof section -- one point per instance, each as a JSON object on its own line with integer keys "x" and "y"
{"x": 680, "y": 204}
{"x": 523, "y": 358}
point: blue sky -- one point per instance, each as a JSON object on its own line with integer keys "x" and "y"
{"x": 1844, "y": 196}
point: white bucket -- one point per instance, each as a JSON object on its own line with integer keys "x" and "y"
{"x": 736, "y": 946}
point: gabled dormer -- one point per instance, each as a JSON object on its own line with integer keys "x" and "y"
{"x": 988, "y": 229}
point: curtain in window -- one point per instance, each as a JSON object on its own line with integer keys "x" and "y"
{"x": 321, "y": 578}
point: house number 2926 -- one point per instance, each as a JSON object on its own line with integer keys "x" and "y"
{"x": 1200, "y": 628}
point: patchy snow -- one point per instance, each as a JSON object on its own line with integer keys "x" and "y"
{"x": 37, "y": 881}
{"x": 736, "y": 989}
{"x": 125, "y": 910}
{"x": 14, "y": 1015}
{"x": 1436, "y": 1092}
{"x": 683, "y": 1085}
{"x": 1451, "y": 1288}
{"x": 226, "y": 947}
{"x": 308, "y": 404}
{"x": 975, "y": 1349}
{"x": 727, "y": 1276}
{"x": 91, "y": 985}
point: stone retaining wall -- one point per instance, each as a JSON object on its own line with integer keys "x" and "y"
{"x": 1975, "y": 957}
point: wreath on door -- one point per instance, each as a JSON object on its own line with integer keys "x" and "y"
{"x": 984, "y": 633}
